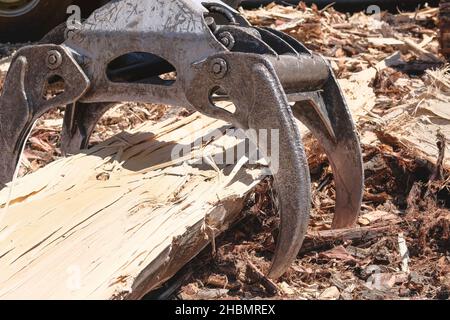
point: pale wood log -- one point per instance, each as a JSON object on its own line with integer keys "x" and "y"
{"x": 71, "y": 232}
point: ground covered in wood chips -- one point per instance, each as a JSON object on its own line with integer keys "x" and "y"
{"x": 401, "y": 249}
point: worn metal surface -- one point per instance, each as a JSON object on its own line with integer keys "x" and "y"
{"x": 180, "y": 53}
{"x": 23, "y": 102}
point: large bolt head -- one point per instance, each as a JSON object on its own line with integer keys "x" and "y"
{"x": 227, "y": 39}
{"x": 219, "y": 68}
{"x": 54, "y": 59}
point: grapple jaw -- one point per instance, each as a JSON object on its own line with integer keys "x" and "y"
{"x": 121, "y": 53}
{"x": 23, "y": 98}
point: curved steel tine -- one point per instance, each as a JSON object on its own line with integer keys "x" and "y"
{"x": 292, "y": 181}
{"x": 22, "y": 101}
{"x": 79, "y": 123}
{"x": 261, "y": 104}
{"x": 327, "y": 116}
{"x": 15, "y": 114}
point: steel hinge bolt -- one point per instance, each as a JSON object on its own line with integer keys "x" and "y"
{"x": 211, "y": 23}
{"x": 219, "y": 68}
{"x": 54, "y": 59}
{"x": 227, "y": 39}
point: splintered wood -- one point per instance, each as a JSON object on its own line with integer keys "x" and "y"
{"x": 121, "y": 218}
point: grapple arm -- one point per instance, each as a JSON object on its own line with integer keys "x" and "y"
{"x": 182, "y": 53}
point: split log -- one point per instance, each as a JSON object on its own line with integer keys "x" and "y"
{"x": 121, "y": 218}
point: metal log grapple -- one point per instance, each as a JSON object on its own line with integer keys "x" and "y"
{"x": 185, "y": 53}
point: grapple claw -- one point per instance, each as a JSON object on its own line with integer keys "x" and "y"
{"x": 23, "y": 99}
{"x": 328, "y": 118}
{"x": 79, "y": 123}
{"x": 320, "y": 105}
{"x": 180, "y": 53}
{"x": 261, "y": 105}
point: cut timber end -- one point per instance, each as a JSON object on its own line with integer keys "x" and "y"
{"x": 121, "y": 218}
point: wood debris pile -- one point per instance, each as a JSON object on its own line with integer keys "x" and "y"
{"x": 355, "y": 42}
